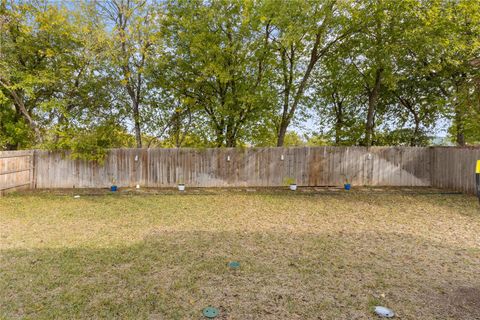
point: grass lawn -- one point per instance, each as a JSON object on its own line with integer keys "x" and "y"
{"x": 303, "y": 255}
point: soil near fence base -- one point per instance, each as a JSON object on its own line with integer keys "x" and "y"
{"x": 234, "y": 190}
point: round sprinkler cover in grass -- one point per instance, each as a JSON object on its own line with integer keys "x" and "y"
{"x": 210, "y": 312}
{"x": 234, "y": 264}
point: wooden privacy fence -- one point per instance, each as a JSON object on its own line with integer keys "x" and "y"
{"x": 451, "y": 168}
{"x": 314, "y": 166}
{"x": 16, "y": 170}
{"x": 454, "y": 168}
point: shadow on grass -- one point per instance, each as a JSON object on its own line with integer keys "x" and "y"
{"x": 173, "y": 275}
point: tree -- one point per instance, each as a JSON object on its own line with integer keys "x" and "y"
{"x": 337, "y": 100}
{"x": 416, "y": 97}
{"x": 418, "y": 101}
{"x": 458, "y": 30}
{"x": 227, "y": 73}
{"x": 374, "y": 52}
{"x": 134, "y": 32}
{"x": 54, "y": 77}
{"x": 217, "y": 65}
{"x": 319, "y": 27}
{"x": 37, "y": 45}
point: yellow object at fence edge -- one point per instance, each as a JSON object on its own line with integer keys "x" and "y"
{"x": 478, "y": 166}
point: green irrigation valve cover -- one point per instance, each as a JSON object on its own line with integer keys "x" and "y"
{"x": 210, "y": 312}
{"x": 234, "y": 264}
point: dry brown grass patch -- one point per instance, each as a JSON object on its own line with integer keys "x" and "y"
{"x": 304, "y": 255}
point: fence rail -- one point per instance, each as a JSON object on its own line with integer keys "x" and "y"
{"x": 451, "y": 168}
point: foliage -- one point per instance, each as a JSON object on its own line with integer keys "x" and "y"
{"x": 93, "y": 143}
{"x": 402, "y": 137}
{"x": 318, "y": 140}
{"x": 235, "y": 73}
{"x": 14, "y": 132}
{"x": 291, "y": 139}
{"x": 320, "y": 28}
{"x": 289, "y": 181}
{"x": 215, "y": 66}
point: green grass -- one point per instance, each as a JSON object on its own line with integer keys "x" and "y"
{"x": 326, "y": 255}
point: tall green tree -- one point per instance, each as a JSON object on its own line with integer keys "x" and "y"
{"x": 374, "y": 52}
{"x": 319, "y": 28}
{"x": 337, "y": 100}
{"x": 134, "y": 26}
{"x": 217, "y": 64}
{"x": 34, "y": 45}
{"x": 457, "y": 24}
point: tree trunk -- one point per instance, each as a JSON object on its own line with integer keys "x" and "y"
{"x": 281, "y": 133}
{"x": 287, "y": 70}
{"x": 372, "y": 105}
{"x": 230, "y": 138}
{"x": 370, "y": 119}
{"x": 136, "y": 119}
{"x": 459, "y": 122}
{"x": 414, "y": 142}
{"x": 415, "y": 139}
{"x": 338, "y": 103}
{"x": 23, "y": 112}
{"x": 460, "y": 139}
{"x": 338, "y": 131}
{"x": 231, "y": 142}
{"x": 31, "y": 122}
{"x": 296, "y": 101}
{"x": 220, "y": 136}
{"x": 314, "y": 57}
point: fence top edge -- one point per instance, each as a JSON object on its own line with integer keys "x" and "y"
{"x": 245, "y": 149}
{"x": 16, "y": 153}
{"x": 31, "y": 152}
{"x": 457, "y": 147}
